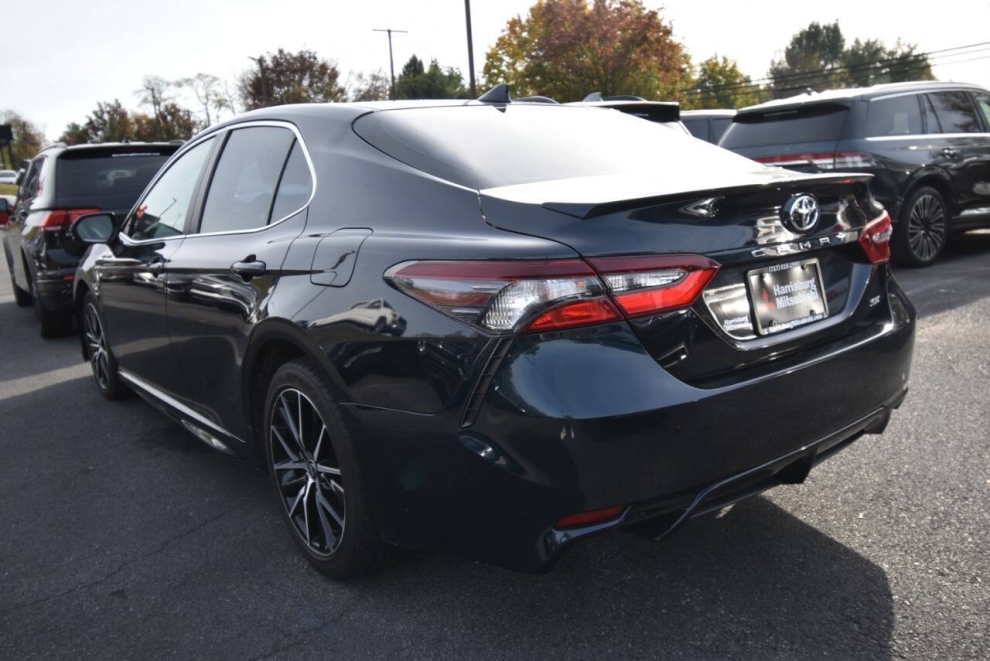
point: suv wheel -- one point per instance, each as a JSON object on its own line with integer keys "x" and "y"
{"x": 50, "y": 324}
{"x": 317, "y": 479}
{"x": 98, "y": 352}
{"x": 923, "y": 228}
{"x": 21, "y": 297}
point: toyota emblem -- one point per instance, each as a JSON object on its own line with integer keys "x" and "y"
{"x": 801, "y": 213}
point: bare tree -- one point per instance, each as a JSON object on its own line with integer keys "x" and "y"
{"x": 156, "y": 92}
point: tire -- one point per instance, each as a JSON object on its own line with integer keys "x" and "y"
{"x": 21, "y": 297}
{"x": 98, "y": 352}
{"x": 318, "y": 482}
{"x": 922, "y": 229}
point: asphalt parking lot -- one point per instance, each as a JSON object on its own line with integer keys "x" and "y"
{"x": 122, "y": 536}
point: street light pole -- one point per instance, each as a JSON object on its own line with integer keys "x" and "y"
{"x": 467, "y": 15}
{"x": 391, "y": 60}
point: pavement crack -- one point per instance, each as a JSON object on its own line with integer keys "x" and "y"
{"x": 128, "y": 563}
{"x": 298, "y": 638}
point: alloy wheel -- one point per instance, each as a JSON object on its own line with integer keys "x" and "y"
{"x": 307, "y": 472}
{"x": 96, "y": 345}
{"x": 927, "y": 228}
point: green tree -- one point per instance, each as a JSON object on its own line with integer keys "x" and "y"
{"x": 720, "y": 84}
{"x": 109, "y": 122}
{"x": 817, "y": 58}
{"x": 418, "y": 82}
{"x": 74, "y": 134}
{"x": 567, "y": 49}
{"x": 373, "y": 87}
{"x": 285, "y": 77}
{"x": 28, "y": 138}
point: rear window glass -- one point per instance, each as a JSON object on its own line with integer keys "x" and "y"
{"x": 900, "y": 115}
{"x": 955, "y": 112}
{"x": 487, "y": 147}
{"x": 697, "y": 127}
{"x": 108, "y": 181}
{"x": 814, "y": 123}
{"x": 719, "y": 127}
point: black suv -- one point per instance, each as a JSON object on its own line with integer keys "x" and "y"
{"x": 60, "y": 184}
{"x": 928, "y": 145}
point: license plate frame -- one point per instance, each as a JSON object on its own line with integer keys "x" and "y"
{"x": 795, "y": 286}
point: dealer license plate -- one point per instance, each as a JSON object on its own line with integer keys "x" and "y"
{"x": 786, "y": 296}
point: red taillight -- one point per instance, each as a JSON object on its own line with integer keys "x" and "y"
{"x": 648, "y": 285}
{"x": 540, "y": 296}
{"x": 822, "y": 160}
{"x": 55, "y": 221}
{"x": 875, "y": 238}
{"x": 589, "y": 518}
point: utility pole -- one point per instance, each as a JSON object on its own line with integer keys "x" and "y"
{"x": 391, "y": 61}
{"x": 264, "y": 85}
{"x": 467, "y": 15}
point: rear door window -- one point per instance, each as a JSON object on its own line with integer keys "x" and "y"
{"x": 295, "y": 186}
{"x": 983, "y": 103}
{"x": 697, "y": 127}
{"x": 243, "y": 185}
{"x": 818, "y": 122}
{"x": 900, "y": 115}
{"x": 29, "y": 187}
{"x": 955, "y": 112}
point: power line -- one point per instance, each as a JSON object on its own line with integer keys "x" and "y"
{"x": 916, "y": 60}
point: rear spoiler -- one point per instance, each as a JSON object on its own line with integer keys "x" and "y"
{"x": 655, "y": 111}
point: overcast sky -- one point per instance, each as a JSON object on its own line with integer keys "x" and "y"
{"x": 59, "y": 57}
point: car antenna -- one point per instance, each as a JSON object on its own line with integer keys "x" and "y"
{"x": 497, "y": 94}
{"x": 593, "y": 97}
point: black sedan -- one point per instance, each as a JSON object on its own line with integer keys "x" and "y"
{"x": 490, "y": 329}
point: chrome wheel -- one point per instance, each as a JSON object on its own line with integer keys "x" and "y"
{"x": 96, "y": 346}
{"x": 307, "y": 471}
{"x": 927, "y": 228}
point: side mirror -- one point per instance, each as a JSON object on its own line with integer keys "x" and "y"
{"x": 93, "y": 228}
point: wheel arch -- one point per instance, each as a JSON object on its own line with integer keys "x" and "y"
{"x": 274, "y": 343}
{"x": 934, "y": 178}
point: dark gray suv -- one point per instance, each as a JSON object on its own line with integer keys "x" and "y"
{"x": 927, "y": 145}
{"x": 60, "y": 184}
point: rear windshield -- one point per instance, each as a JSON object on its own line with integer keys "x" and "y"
{"x": 105, "y": 180}
{"x": 487, "y": 147}
{"x": 815, "y": 123}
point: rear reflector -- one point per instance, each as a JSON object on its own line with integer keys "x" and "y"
{"x": 875, "y": 238}
{"x": 60, "y": 219}
{"x": 538, "y": 296}
{"x": 589, "y": 518}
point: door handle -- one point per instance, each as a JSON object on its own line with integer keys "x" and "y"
{"x": 949, "y": 152}
{"x": 249, "y": 268}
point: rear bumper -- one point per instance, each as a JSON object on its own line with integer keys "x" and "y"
{"x": 586, "y": 419}
{"x": 55, "y": 290}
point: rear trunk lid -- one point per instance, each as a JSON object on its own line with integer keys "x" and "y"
{"x": 781, "y": 289}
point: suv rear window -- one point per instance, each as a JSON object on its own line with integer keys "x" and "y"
{"x": 107, "y": 180}
{"x": 900, "y": 115}
{"x": 810, "y": 123}
{"x": 487, "y": 147}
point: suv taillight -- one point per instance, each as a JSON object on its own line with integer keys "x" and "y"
{"x": 56, "y": 221}
{"x": 875, "y": 238}
{"x": 822, "y": 160}
{"x": 535, "y": 296}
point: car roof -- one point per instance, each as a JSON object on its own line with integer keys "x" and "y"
{"x": 846, "y": 96}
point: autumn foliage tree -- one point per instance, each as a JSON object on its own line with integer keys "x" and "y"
{"x": 110, "y": 121}
{"x": 720, "y": 84}
{"x": 28, "y": 138}
{"x": 285, "y": 77}
{"x": 567, "y": 49}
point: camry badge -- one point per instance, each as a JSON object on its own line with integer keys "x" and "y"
{"x": 801, "y": 213}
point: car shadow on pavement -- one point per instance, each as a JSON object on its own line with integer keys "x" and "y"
{"x": 755, "y": 582}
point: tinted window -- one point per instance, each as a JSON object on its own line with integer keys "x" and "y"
{"x": 697, "y": 127}
{"x": 295, "y": 187}
{"x": 719, "y": 127}
{"x": 813, "y": 123}
{"x": 983, "y": 103}
{"x": 486, "y": 147}
{"x": 931, "y": 121}
{"x": 29, "y": 187}
{"x": 163, "y": 211}
{"x": 900, "y": 115}
{"x": 244, "y": 182}
{"x": 108, "y": 181}
{"x": 955, "y": 112}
